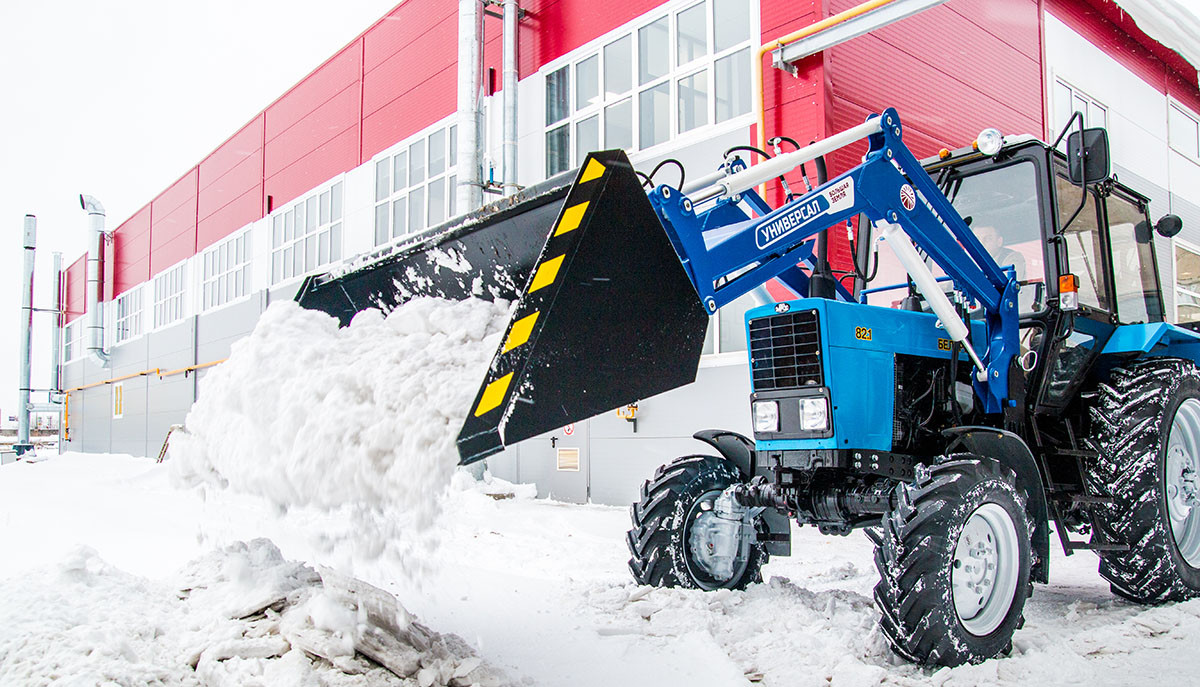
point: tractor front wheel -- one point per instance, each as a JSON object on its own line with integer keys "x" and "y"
{"x": 681, "y": 538}
{"x": 954, "y": 558}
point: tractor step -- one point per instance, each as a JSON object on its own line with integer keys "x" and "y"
{"x": 1077, "y": 545}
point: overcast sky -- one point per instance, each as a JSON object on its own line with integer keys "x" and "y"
{"x": 118, "y": 99}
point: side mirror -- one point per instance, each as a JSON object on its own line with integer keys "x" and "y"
{"x": 1168, "y": 225}
{"x": 1087, "y": 156}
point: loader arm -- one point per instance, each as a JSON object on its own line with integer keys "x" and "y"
{"x": 616, "y": 307}
{"x": 725, "y": 258}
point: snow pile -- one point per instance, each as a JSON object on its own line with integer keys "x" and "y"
{"x": 1169, "y": 22}
{"x": 362, "y": 418}
{"x": 243, "y": 616}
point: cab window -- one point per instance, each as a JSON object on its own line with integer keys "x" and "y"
{"x": 1134, "y": 274}
{"x": 1084, "y": 244}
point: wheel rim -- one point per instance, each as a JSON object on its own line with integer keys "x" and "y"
{"x": 698, "y": 549}
{"x": 1183, "y": 480}
{"x": 983, "y": 575}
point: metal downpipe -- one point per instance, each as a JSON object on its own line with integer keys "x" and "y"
{"x": 95, "y": 321}
{"x": 511, "y": 12}
{"x": 29, "y": 243}
{"x": 470, "y": 185}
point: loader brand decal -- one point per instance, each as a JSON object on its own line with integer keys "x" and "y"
{"x": 908, "y": 197}
{"x": 862, "y": 333}
{"x": 830, "y": 200}
{"x": 943, "y": 344}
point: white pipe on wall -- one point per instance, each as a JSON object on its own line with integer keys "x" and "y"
{"x": 511, "y": 12}
{"x": 470, "y": 187}
{"x": 95, "y": 282}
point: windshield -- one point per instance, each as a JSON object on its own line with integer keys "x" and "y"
{"x": 1000, "y": 204}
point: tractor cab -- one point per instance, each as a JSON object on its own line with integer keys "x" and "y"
{"x": 1078, "y": 241}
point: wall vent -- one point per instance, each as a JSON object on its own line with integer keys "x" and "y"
{"x": 568, "y": 459}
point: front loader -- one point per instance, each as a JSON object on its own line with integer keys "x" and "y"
{"x": 1001, "y": 366}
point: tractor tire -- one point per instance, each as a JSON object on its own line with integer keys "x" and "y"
{"x": 954, "y": 557}
{"x": 681, "y": 492}
{"x": 1146, "y": 432}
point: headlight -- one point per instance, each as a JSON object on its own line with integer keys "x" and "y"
{"x": 814, "y": 414}
{"x": 989, "y": 142}
{"x": 766, "y": 416}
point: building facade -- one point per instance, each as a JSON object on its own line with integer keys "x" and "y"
{"x": 363, "y": 153}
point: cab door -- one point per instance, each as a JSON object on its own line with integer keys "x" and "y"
{"x": 1072, "y": 341}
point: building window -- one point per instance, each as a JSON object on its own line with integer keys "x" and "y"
{"x": 72, "y": 340}
{"x": 129, "y": 315}
{"x": 304, "y": 236}
{"x": 227, "y": 269}
{"x": 1187, "y": 284}
{"x": 415, "y": 185}
{"x": 1183, "y": 132}
{"x": 168, "y": 297}
{"x": 683, "y": 70}
{"x": 1068, "y": 100}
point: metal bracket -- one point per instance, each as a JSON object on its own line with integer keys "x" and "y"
{"x": 521, "y": 11}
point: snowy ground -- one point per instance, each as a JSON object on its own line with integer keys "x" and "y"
{"x": 538, "y": 588}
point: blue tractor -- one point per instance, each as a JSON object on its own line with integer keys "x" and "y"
{"x": 1001, "y": 365}
{"x": 1018, "y": 372}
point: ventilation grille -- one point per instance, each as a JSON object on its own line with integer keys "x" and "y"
{"x": 785, "y": 351}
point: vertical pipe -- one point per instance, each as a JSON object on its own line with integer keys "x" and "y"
{"x": 470, "y": 189}
{"x": 30, "y": 242}
{"x": 95, "y": 285}
{"x": 511, "y": 12}
{"x": 57, "y": 332}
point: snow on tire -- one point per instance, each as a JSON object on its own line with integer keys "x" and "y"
{"x": 1146, "y": 431}
{"x": 662, "y": 518}
{"x": 954, "y": 557}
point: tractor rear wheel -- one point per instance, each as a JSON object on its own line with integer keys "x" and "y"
{"x": 1146, "y": 431}
{"x": 676, "y": 539}
{"x": 954, "y": 557}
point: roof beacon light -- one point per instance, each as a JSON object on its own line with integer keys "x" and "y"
{"x": 989, "y": 142}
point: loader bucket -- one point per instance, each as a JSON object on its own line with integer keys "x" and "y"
{"x": 608, "y": 316}
{"x": 487, "y": 254}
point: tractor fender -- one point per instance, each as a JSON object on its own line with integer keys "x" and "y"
{"x": 734, "y": 447}
{"x": 1010, "y": 450}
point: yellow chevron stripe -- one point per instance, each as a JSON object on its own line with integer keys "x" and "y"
{"x": 594, "y": 170}
{"x": 520, "y": 332}
{"x": 571, "y": 218}
{"x": 493, "y": 394}
{"x": 546, "y": 272}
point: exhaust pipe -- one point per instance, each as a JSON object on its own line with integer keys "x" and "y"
{"x": 511, "y": 14}
{"x": 95, "y": 326}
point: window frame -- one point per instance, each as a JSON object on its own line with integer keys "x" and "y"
{"x": 447, "y": 177}
{"x": 169, "y": 306}
{"x": 1076, "y": 94}
{"x": 285, "y": 263}
{"x": 1174, "y": 106}
{"x": 215, "y": 279}
{"x": 676, "y": 72}
{"x": 1177, "y": 245}
{"x": 128, "y": 325}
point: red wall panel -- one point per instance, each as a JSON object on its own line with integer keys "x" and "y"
{"x": 410, "y": 66}
{"x": 232, "y": 185}
{"x": 229, "y": 218}
{"x": 131, "y": 252}
{"x": 557, "y": 27}
{"x": 75, "y": 300}
{"x": 173, "y": 223}
{"x": 326, "y": 121}
{"x": 405, "y": 24}
{"x": 330, "y": 79}
{"x": 418, "y": 109}
{"x": 232, "y": 153}
{"x": 317, "y": 166}
{"x": 951, "y": 89}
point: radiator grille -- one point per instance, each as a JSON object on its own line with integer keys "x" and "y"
{"x": 785, "y": 351}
